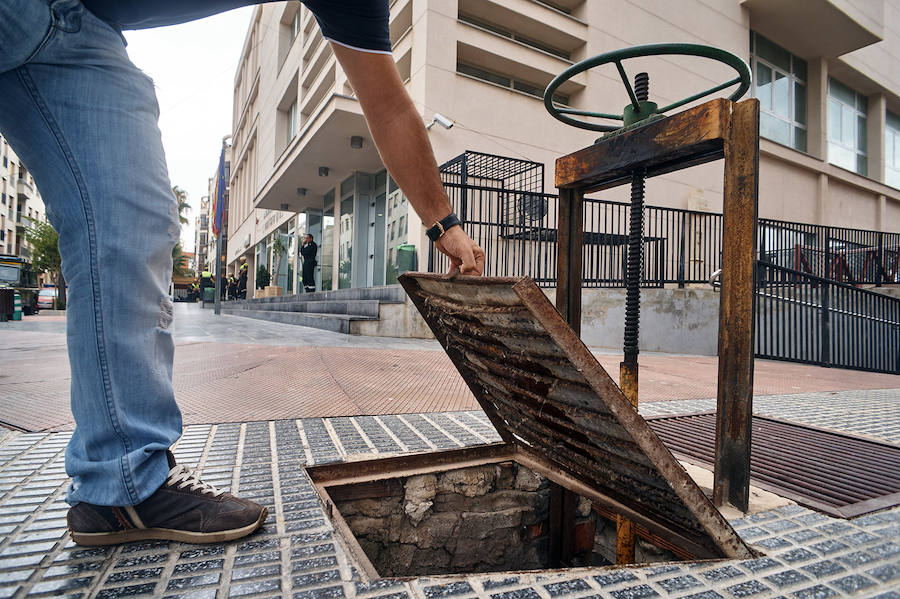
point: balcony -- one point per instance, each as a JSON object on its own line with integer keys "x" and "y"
{"x": 24, "y": 189}
{"x": 828, "y": 28}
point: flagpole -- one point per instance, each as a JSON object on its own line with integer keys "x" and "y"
{"x": 221, "y": 196}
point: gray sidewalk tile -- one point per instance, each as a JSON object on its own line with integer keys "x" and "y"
{"x": 295, "y": 554}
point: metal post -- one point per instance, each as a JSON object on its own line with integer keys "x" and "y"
{"x": 569, "y": 260}
{"x": 568, "y": 302}
{"x": 217, "y": 302}
{"x": 682, "y": 250}
{"x": 879, "y": 262}
{"x": 825, "y": 321}
{"x": 731, "y": 478}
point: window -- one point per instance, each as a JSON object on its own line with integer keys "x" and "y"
{"x": 292, "y": 121}
{"x": 779, "y": 83}
{"x": 295, "y": 26}
{"x": 513, "y": 36}
{"x": 503, "y": 81}
{"x": 892, "y": 150}
{"x": 846, "y": 127}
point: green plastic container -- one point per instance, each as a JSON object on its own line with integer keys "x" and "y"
{"x": 407, "y": 258}
{"x": 17, "y": 307}
{"x": 209, "y": 294}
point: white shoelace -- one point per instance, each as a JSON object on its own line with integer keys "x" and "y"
{"x": 182, "y": 476}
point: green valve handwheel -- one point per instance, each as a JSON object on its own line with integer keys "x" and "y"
{"x": 640, "y": 108}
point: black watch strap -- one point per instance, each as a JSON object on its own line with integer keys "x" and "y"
{"x": 438, "y": 229}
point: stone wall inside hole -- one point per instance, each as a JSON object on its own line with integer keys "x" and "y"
{"x": 488, "y": 518}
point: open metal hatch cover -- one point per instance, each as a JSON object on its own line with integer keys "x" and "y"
{"x": 548, "y": 396}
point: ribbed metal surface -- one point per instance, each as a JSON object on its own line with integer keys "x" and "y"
{"x": 837, "y": 474}
{"x": 545, "y": 392}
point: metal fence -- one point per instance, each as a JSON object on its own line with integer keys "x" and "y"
{"x": 815, "y": 320}
{"x": 517, "y": 229}
{"x": 518, "y": 232}
{"x": 854, "y": 256}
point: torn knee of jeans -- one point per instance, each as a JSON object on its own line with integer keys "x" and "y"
{"x": 166, "y": 313}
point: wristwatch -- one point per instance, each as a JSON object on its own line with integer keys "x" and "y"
{"x": 438, "y": 229}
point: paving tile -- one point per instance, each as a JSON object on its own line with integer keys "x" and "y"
{"x": 450, "y": 589}
{"x": 255, "y": 587}
{"x": 815, "y": 592}
{"x": 788, "y": 578}
{"x": 557, "y": 589}
{"x": 636, "y": 592}
{"x": 518, "y": 594}
{"x": 886, "y": 573}
{"x": 748, "y": 589}
{"x": 617, "y": 577}
{"x": 853, "y": 583}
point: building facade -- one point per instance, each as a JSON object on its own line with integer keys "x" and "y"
{"x": 303, "y": 160}
{"x": 20, "y": 203}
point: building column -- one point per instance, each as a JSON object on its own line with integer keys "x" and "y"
{"x": 822, "y": 199}
{"x": 876, "y": 118}
{"x": 817, "y": 108}
{"x": 880, "y": 209}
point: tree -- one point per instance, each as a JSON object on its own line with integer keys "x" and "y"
{"x": 183, "y": 204}
{"x": 44, "y": 241}
{"x": 262, "y": 277}
{"x": 279, "y": 249}
{"x": 179, "y": 262}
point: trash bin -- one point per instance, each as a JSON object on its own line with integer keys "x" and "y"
{"x": 407, "y": 259}
{"x": 209, "y": 294}
{"x": 17, "y": 307}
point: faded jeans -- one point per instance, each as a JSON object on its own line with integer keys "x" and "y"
{"x": 83, "y": 119}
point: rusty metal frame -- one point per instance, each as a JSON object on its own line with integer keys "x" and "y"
{"x": 546, "y": 394}
{"x": 714, "y": 130}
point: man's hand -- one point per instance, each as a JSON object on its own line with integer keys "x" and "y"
{"x": 465, "y": 255}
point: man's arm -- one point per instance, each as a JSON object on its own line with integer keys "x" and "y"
{"x": 401, "y": 140}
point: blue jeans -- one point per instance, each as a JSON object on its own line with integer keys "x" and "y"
{"x": 83, "y": 119}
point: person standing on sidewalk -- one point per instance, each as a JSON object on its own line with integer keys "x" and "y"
{"x": 308, "y": 251}
{"x": 85, "y": 119}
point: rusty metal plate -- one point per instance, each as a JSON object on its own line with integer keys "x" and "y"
{"x": 546, "y": 394}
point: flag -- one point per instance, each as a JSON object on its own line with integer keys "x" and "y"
{"x": 219, "y": 196}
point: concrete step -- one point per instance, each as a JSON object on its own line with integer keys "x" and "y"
{"x": 385, "y": 294}
{"x": 339, "y": 323}
{"x": 352, "y": 307}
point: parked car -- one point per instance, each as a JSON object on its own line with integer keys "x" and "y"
{"x": 47, "y": 298}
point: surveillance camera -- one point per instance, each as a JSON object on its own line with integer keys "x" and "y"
{"x": 441, "y": 120}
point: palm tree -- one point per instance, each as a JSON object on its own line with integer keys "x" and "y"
{"x": 179, "y": 262}
{"x": 183, "y": 205}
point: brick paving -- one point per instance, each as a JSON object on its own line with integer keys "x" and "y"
{"x": 229, "y": 369}
{"x": 297, "y": 553}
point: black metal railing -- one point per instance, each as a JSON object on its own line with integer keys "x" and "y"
{"x": 518, "y": 232}
{"x": 517, "y": 228}
{"x": 815, "y": 320}
{"x": 854, "y": 256}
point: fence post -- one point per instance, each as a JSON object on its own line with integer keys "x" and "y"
{"x": 825, "y": 321}
{"x": 879, "y": 261}
{"x": 681, "y": 250}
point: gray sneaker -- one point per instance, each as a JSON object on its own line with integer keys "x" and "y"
{"x": 184, "y": 509}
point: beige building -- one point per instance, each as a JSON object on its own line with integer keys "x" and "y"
{"x": 20, "y": 201}
{"x": 825, "y": 72}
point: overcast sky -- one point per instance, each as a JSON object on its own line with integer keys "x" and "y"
{"x": 193, "y": 66}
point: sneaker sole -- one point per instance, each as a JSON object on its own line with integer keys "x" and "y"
{"x": 165, "y": 534}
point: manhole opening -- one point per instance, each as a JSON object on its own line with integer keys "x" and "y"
{"x": 493, "y": 517}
